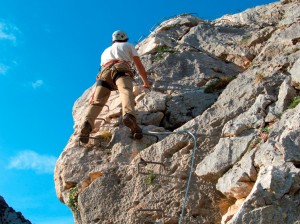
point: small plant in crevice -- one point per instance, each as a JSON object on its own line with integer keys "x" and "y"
{"x": 73, "y": 198}
{"x": 218, "y": 84}
{"x": 254, "y": 143}
{"x": 294, "y": 102}
{"x": 105, "y": 136}
{"x": 265, "y": 130}
{"x": 150, "y": 177}
{"x": 264, "y": 134}
{"x": 161, "y": 50}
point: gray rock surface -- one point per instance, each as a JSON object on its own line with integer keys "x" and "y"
{"x": 295, "y": 71}
{"x": 9, "y": 216}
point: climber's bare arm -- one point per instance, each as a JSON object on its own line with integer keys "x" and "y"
{"x": 141, "y": 70}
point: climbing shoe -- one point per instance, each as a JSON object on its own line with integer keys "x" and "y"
{"x": 85, "y": 132}
{"x": 130, "y": 121}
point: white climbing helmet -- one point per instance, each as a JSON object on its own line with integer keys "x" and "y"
{"x": 119, "y": 35}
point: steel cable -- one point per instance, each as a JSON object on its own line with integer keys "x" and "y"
{"x": 192, "y": 164}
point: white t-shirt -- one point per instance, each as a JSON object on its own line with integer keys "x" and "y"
{"x": 119, "y": 51}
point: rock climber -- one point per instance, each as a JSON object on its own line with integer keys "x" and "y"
{"x": 116, "y": 74}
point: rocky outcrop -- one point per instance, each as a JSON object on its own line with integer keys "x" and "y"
{"x": 9, "y": 216}
{"x": 229, "y": 146}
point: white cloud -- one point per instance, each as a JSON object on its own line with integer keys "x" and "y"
{"x": 34, "y": 84}
{"x": 30, "y": 160}
{"x": 37, "y": 83}
{"x": 8, "y": 32}
{"x": 3, "y": 69}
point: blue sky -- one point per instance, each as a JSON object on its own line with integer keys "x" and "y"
{"x": 49, "y": 54}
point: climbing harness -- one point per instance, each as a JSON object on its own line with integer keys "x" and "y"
{"x": 111, "y": 71}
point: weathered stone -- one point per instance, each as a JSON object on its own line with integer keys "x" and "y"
{"x": 186, "y": 106}
{"x": 251, "y": 119}
{"x": 225, "y": 155}
{"x": 175, "y": 27}
{"x": 150, "y": 118}
{"x": 152, "y": 102}
{"x": 287, "y": 133}
{"x": 295, "y": 71}
{"x": 285, "y": 96}
{"x": 267, "y": 215}
{"x": 276, "y": 179}
{"x": 9, "y": 215}
{"x": 232, "y": 210}
{"x": 267, "y": 156}
{"x": 279, "y": 42}
{"x": 257, "y": 16}
{"x": 260, "y": 37}
{"x": 208, "y": 37}
{"x": 239, "y": 180}
{"x": 267, "y": 200}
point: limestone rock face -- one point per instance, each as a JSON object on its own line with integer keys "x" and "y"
{"x": 9, "y": 216}
{"x": 228, "y": 150}
{"x": 295, "y": 71}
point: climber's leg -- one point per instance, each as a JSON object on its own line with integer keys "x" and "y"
{"x": 99, "y": 99}
{"x": 125, "y": 88}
